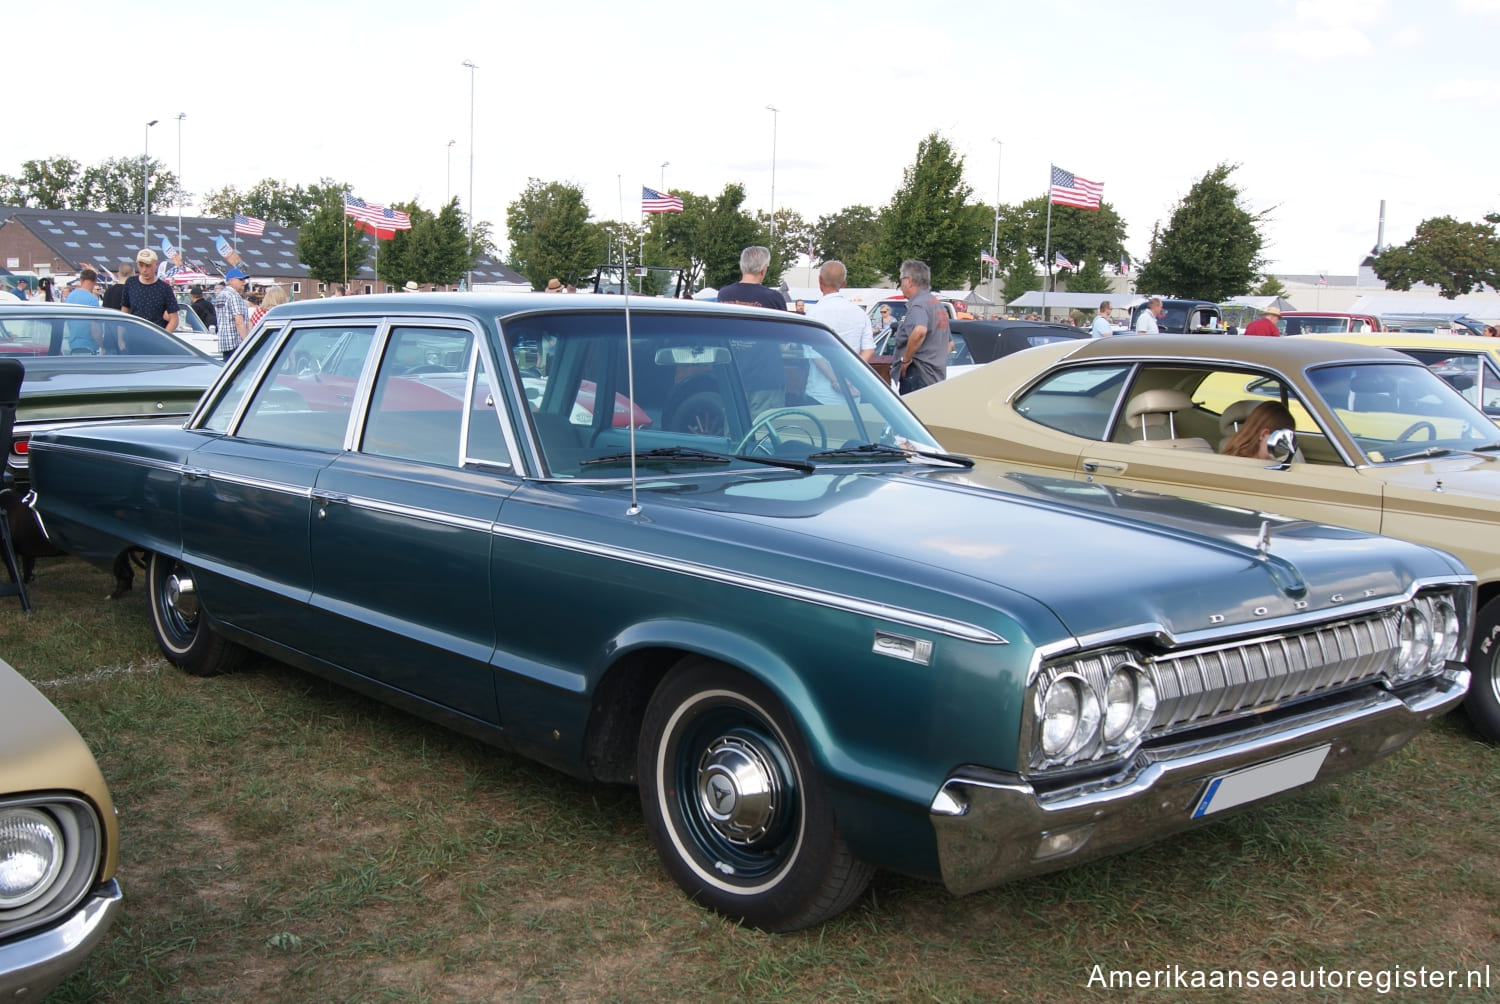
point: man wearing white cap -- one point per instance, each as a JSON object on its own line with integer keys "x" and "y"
{"x": 1265, "y": 324}
{"x": 148, "y": 297}
{"x": 233, "y": 312}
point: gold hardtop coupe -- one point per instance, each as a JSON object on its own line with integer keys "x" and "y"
{"x": 1382, "y": 444}
{"x": 59, "y": 845}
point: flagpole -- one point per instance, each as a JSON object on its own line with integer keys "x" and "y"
{"x": 345, "y": 218}
{"x": 995, "y": 235}
{"x": 1047, "y": 249}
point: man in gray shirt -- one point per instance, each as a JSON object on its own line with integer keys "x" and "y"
{"x": 922, "y": 339}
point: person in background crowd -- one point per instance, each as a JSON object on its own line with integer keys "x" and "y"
{"x": 800, "y": 307}
{"x": 846, "y": 320}
{"x": 232, "y": 311}
{"x": 44, "y": 289}
{"x": 1102, "y": 328}
{"x": 763, "y": 373}
{"x": 885, "y": 321}
{"x": 116, "y": 290}
{"x": 1492, "y": 331}
{"x": 922, "y": 338}
{"x": 554, "y": 285}
{"x": 23, "y": 289}
{"x": 147, "y": 297}
{"x": 1265, "y": 324}
{"x": 272, "y": 297}
{"x": 83, "y": 336}
{"x": 202, "y": 307}
{"x": 1146, "y": 323}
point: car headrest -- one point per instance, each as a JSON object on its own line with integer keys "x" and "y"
{"x": 1234, "y": 416}
{"x": 1163, "y": 400}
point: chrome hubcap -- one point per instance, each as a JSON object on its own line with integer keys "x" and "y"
{"x": 182, "y": 597}
{"x": 739, "y": 789}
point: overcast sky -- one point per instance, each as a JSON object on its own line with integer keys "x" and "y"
{"x": 1329, "y": 106}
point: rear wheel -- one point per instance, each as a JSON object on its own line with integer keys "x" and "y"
{"x": 734, "y": 806}
{"x": 182, "y": 632}
{"x": 1483, "y": 701}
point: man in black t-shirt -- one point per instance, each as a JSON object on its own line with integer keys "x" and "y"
{"x": 148, "y": 297}
{"x": 116, "y": 290}
{"x": 203, "y": 307}
{"x": 760, "y": 364}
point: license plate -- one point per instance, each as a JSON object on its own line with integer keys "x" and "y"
{"x": 1251, "y": 783}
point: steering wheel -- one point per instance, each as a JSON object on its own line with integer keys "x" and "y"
{"x": 1417, "y": 427}
{"x": 424, "y": 368}
{"x": 774, "y": 436}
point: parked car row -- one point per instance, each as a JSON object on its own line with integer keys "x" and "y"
{"x": 760, "y": 590}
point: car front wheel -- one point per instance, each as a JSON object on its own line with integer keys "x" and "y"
{"x": 734, "y": 806}
{"x": 182, "y": 632}
{"x": 1483, "y": 701}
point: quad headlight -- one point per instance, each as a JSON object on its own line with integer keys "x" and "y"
{"x": 32, "y": 850}
{"x": 1093, "y": 706}
{"x": 1429, "y": 632}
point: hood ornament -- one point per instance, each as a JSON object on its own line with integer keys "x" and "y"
{"x": 1263, "y": 542}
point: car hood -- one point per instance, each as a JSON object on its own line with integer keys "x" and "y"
{"x": 70, "y": 387}
{"x": 39, "y": 749}
{"x": 1465, "y": 479}
{"x": 1098, "y": 558}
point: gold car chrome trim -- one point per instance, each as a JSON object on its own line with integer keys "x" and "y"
{"x": 837, "y": 601}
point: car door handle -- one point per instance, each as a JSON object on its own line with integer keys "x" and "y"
{"x": 196, "y": 473}
{"x": 329, "y": 498}
{"x": 1107, "y": 466}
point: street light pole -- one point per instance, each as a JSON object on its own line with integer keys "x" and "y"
{"x": 180, "y": 117}
{"x": 472, "y": 67}
{"x": 146, "y": 188}
{"x": 448, "y": 195}
{"x": 775, "y": 117}
{"x": 995, "y": 236}
{"x": 664, "y": 165}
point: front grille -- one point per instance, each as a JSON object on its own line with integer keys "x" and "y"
{"x": 1224, "y": 680}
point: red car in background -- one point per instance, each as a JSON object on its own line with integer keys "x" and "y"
{"x": 1314, "y": 322}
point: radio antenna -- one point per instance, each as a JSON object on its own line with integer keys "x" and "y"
{"x": 635, "y": 505}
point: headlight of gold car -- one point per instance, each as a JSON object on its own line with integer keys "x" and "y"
{"x": 31, "y": 856}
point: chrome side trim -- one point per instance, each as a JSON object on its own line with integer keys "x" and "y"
{"x": 113, "y": 457}
{"x": 836, "y": 601}
{"x": 424, "y": 515}
{"x": 246, "y": 482}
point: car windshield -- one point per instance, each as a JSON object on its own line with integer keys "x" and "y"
{"x": 705, "y": 389}
{"x": 1398, "y": 412}
{"x": 1313, "y": 325}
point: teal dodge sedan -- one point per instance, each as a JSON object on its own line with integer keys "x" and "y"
{"x": 703, "y": 550}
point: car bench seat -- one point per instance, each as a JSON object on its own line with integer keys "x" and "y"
{"x": 1151, "y": 420}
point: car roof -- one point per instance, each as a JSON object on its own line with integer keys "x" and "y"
{"x": 1296, "y": 352}
{"x": 486, "y": 306}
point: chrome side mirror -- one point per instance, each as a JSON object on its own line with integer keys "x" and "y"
{"x": 1282, "y": 446}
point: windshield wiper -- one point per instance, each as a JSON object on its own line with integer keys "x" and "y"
{"x": 885, "y": 451}
{"x": 687, "y": 454}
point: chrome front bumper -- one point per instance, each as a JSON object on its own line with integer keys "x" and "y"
{"x": 32, "y": 965}
{"x": 993, "y": 826}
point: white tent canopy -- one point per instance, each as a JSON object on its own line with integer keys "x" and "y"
{"x": 1480, "y": 309}
{"x": 1075, "y": 301}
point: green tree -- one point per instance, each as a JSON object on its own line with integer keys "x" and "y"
{"x": 114, "y": 186}
{"x": 269, "y": 199}
{"x": 43, "y": 184}
{"x": 550, "y": 233}
{"x": 851, "y": 236}
{"x": 1270, "y": 286}
{"x": 1080, "y": 234}
{"x": 792, "y": 235}
{"x": 1456, "y": 257}
{"x": 1020, "y": 277}
{"x": 328, "y": 244}
{"x": 705, "y": 239}
{"x": 396, "y": 258}
{"x": 1211, "y": 248}
{"x": 1090, "y": 278}
{"x": 929, "y": 218}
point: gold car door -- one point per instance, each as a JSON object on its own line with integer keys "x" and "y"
{"x": 1325, "y": 493}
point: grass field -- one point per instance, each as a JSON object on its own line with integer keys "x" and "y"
{"x": 287, "y": 840}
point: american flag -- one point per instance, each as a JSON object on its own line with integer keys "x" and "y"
{"x": 249, "y": 225}
{"x": 985, "y": 258}
{"x": 1062, "y": 262}
{"x": 1124, "y": 265}
{"x": 1070, "y": 190}
{"x": 376, "y": 215}
{"x": 653, "y": 201}
{"x": 1322, "y": 280}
